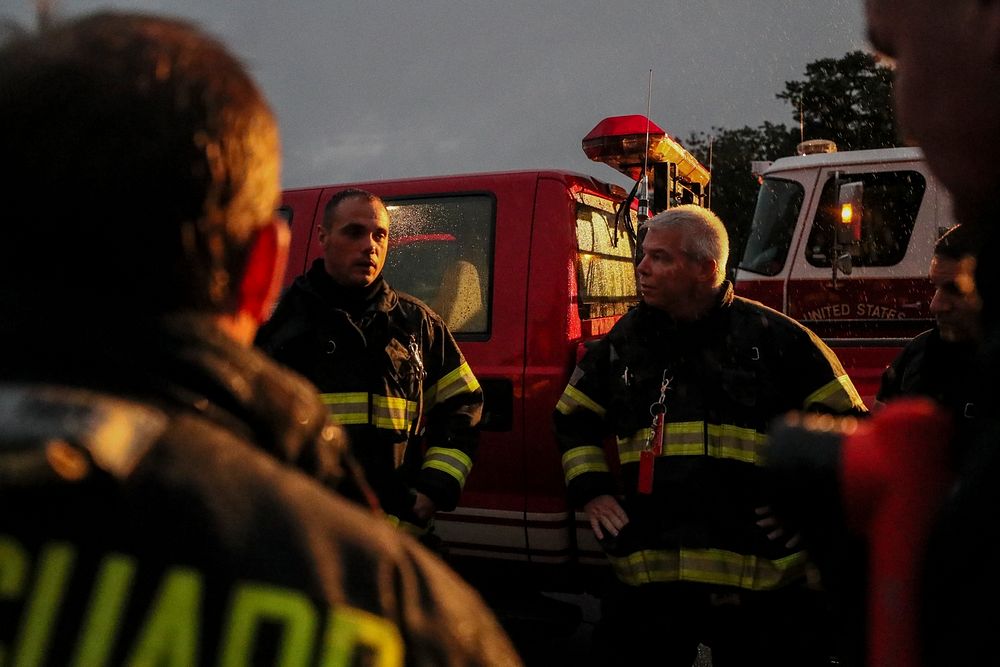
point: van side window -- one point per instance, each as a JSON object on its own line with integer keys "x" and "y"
{"x": 605, "y": 273}
{"x": 285, "y": 213}
{"x": 441, "y": 251}
{"x": 891, "y": 202}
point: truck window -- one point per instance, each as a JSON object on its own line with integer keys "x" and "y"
{"x": 604, "y": 266}
{"x": 890, "y": 205}
{"x": 440, "y": 251}
{"x": 778, "y": 206}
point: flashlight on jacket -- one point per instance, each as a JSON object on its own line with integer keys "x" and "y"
{"x": 874, "y": 484}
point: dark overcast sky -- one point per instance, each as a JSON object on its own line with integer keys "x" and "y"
{"x": 371, "y": 90}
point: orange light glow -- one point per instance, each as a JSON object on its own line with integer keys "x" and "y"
{"x": 846, "y": 213}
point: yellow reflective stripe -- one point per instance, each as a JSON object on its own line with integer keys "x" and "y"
{"x": 580, "y": 460}
{"x": 407, "y": 527}
{"x": 838, "y": 395}
{"x": 392, "y": 412}
{"x": 708, "y": 566}
{"x": 347, "y": 407}
{"x": 572, "y": 399}
{"x": 725, "y": 441}
{"x": 452, "y": 462}
{"x": 459, "y": 381}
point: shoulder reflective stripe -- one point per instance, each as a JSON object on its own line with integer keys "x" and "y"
{"x": 838, "y": 395}
{"x": 725, "y": 441}
{"x": 104, "y": 613}
{"x": 256, "y": 604}
{"x": 169, "y": 635}
{"x": 347, "y": 408}
{"x": 580, "y": 460}
{"x": 392, "y": 412}
{"x": 54, "y": 567}
{"x": 709, "y": 566}
{"x": 573, "y": 399}
{"x": 349, "y": 628}
{"x": 459, "y": 381}
{"x": 453, "y": 462}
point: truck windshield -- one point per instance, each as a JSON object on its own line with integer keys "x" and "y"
{"x": 778, "y": 206}
{"x": 605, "y": 269}
{"x": 440, "y": 251}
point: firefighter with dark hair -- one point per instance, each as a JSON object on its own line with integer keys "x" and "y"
{"x": 687, "y": 383}
{"x": 387, "y": 366}
{"x": 153, "y": 502}
{"x": 940, "y": 363}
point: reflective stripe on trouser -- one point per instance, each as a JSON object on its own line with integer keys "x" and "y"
{"x": 838, "y": 395}
{"x": 459, "y": 381}
{"x": 725, "y": 441}
{"x": 579, "y": 460}
{"x": 709, "y": 566}
{"x": 573, "y": 399}
{"x": 453, "y": 462}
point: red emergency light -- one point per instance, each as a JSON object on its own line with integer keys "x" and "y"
{"x": 620, "y": 143}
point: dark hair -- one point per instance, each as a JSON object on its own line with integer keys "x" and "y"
{"x": 348, "y": 193}
{"x": 143, "y": 158}
{"x": 958, "y": 242}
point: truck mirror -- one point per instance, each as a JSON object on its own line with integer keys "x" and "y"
{"x": 849, "y": 198}
{"x": 843, "y": 263}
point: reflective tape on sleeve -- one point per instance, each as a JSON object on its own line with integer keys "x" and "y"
{"x": 580, "y": 460}
{"x": 347, "y": 408}
{"x": 709, "y": 566}
{"x": 459, "y": 381}
{"x": 573, "y": 399}
{"x": 838, "y": 395}
{"x": 453, "y": 462}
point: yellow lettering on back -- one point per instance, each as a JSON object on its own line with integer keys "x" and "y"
{"x": 254, "y": 603}
{"x": 13, "y": 575}
{"x": 349, "y": 628}
{"x": 169, "y": 635}
{"x": 54, "y": 568}
{"x": 100, "y": 628}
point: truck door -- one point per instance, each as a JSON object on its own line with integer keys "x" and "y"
{"x": 886, "y": 294}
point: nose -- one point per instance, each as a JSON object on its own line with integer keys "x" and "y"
{"x": 940, "y": 303}
{"x": 642, "y": 267}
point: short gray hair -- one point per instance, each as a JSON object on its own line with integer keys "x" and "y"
{"x": 704, "y": 236}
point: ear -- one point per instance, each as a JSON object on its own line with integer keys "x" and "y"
{"x": 265, "y": 268}
{"x": 707, "y": 269}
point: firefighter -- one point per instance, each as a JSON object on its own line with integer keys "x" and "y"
{"x": 387, "y": 365}
{"x": 150, "y": 507}
{"x": 947, "y": 95}
{"x": 687, "y": 383}
{"x": 940, "y": 363}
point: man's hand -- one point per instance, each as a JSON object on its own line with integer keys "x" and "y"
{"x": 604, "y": 511}
{"x": 776, "y": 531}
{"x": 423, "y": 507}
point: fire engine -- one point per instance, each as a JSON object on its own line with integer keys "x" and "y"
{"x": 842, "y": 242}
{"x": 525, "y": 267}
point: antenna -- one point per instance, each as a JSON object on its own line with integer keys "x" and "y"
{"x": 643, "y": 213}
{"x": 711, "y": 147}
{"x": 802, "y": 122}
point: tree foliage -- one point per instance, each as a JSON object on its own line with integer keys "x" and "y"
{"x": 847, "y": 99}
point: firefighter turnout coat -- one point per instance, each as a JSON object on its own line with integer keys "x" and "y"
{"x": 727, "y": 376}
{"x": 157, "y": 517}
{"x": 388, "y": 376}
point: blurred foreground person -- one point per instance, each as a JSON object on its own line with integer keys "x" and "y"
{"x": 688, "y": 382}
{"x": 947, "y": 93}
{"x": 150, "y": 509}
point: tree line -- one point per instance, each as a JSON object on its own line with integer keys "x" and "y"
{"x": 847, "y": 100}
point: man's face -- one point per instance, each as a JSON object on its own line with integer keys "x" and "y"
{"x": 947, "y": 87}
{"x": 354, "y": 248}
{"x": 669, "y": 279}
{"x": 956, "y": 304}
